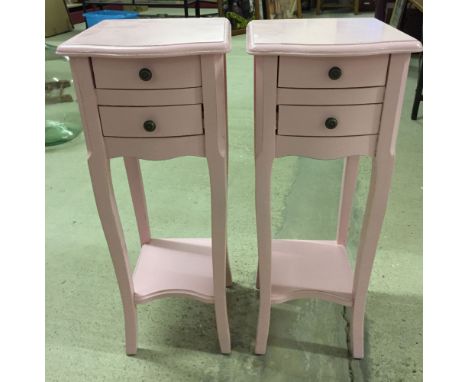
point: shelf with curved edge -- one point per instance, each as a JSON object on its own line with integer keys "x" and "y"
{"x": 174, "y": 267}
{"x": 304, "y": 269}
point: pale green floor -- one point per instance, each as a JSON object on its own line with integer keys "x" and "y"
{"x": 177, "y": 337}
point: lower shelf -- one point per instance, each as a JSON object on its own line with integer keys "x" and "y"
{"x": 174, "y": 267}
{"x": 302, "y": 269}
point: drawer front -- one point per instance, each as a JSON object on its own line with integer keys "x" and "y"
{"x": 332, "y": 72}
{"x": 311, "y": 121}
{"x": 356, "y": 96}
{"x": 167, "y": 121}
{"x": 161, "y": 73}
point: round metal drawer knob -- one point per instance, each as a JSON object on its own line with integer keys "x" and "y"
{"x": 334, "y": 73}
{"x": 149, "y": 126}
{"x": 331, "y": 123}
{"x": 145, "y": 74}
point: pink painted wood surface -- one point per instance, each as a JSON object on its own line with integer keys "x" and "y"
{"x": 304, "y": 72}
{"x": 266, "y": 41}
{"x": 348, "y": 186}
{"x": 310, "y": 120}
{"x": 150, "y": 38}
{"x": 302, "y": 269}
{"x": 137, "y": 191}
{"x": 165, "y": 97}
{"x": 266, "y": 69}
{"x": 215, "y": 123}
{"x": 174, "y": 99}
{"x": 156, "y": 149}
{"x": 330, "y": 96}
{"x": 99, "y": 169}
{"x": 326, "y": 147}
{"x": 171, "y": 121}
{"x": 174, "y": 267}
{"x": 327, "y": 37}
{"x": 167, "y": 73}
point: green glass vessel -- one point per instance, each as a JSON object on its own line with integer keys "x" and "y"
{"x": 62, "y": 117}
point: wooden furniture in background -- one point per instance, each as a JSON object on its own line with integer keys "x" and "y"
{"x": 325, "y": 89}
{"x": 282, "y": 9}
{"x": 154, "y": 90}
{"x": 320, "y": 5}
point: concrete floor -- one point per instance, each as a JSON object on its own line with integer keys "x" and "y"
{"x": 177, "y": 337}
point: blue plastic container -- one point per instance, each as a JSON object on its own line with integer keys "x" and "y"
{"x": 93, "y": 18}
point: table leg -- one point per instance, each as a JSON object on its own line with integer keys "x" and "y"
{"x": 263, "y": 167}
{"x": 266, "y": 74}
{"x": 215, "y": 119}
{"x": 350, "y": 173}
{"x": 137, "y": 191}
{"x": 99, "y": 169}
{"x": 382, "y": 169}
{"x": 218, "y": 181}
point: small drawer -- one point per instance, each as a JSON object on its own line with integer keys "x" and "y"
{"x": 160, "y": 73}
{"x": 332, "y": 72}
{"x": 328, "y": 121}
{"x": 151, "y": 122}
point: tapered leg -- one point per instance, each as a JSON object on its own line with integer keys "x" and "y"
{"x": 263, "y": 168}
{"x": 382, "y": 170}
{"x": 350, "y": 173}
{"x": 105, "y": 200}
{"x": 356, "y": 7}
{"x": 135, "y": 181}
{"x": 218, "y": 180}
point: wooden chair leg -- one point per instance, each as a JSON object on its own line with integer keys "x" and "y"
{"x": 418, "y": 93}
{"x": 218, "y": 180}
{"x": 263, "y": 167}
{"x": 299, "y": 9}
{"x": 318, "y": 7}
{"x": 356, "y": 7}
{"x": 382, "y": 170}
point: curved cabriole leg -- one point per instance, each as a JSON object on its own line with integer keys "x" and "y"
{"x": 215, "y": 123}
{"x": 218, "y": 181}
{"x": 382, "y": 169}
{"x": 263, "y": 168}
{"x": 105, "y": 201}
{"x": 137, "y": 191}
{"x": 350, "y": 174}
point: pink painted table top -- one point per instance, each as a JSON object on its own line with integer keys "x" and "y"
{"x": 327, "y": 37}
{"x": 151, "y": 38}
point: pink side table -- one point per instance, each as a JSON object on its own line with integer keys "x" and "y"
{"x": 154, "y": 90}
{"x": 325, "y": 89}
